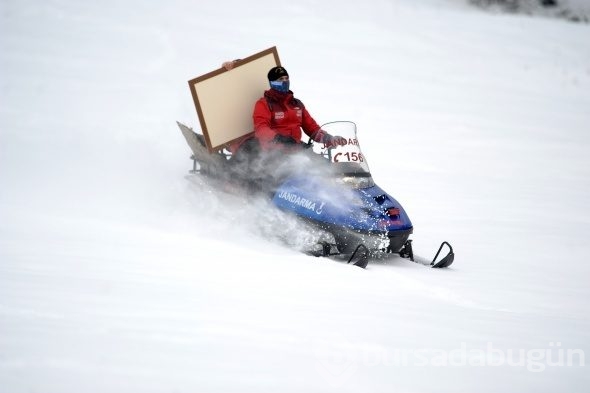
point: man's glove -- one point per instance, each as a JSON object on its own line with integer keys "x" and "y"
{"x": 284, "y": 140}
{"x": 333, "y": 141}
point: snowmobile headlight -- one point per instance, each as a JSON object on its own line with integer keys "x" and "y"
{"x": 357, "y": 181}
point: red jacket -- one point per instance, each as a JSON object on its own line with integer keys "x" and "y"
{"x": 281, "y": 113}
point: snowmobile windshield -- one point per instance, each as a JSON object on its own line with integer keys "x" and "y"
{"x": 346, "y": 157}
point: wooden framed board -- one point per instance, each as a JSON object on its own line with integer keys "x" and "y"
{"x": 225, "y": 99}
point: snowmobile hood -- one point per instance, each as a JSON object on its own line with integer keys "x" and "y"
{"x": 348, "y": 197}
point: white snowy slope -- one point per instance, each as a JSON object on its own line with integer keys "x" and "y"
{"x": 117, "y": 274}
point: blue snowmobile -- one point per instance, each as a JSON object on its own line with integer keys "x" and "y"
{"x": 328, "y": 187}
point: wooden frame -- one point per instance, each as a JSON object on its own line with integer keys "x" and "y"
{"x": 225, "y": 100}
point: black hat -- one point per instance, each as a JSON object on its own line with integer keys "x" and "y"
{"x": 276, "y": 72}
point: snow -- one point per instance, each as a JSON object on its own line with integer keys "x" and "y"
{"x": 118, "y": 274}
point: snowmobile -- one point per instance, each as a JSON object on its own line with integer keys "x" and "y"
{"x": 329, "y": 187}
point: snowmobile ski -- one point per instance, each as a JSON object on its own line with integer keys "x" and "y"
{"x": 359, "y": 257}
{"x": 407, "y": 252}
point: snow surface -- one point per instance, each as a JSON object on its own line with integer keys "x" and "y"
{"x": 117, "y": 274}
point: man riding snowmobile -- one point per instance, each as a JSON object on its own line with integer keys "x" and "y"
{"x": 278, "y": 119}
